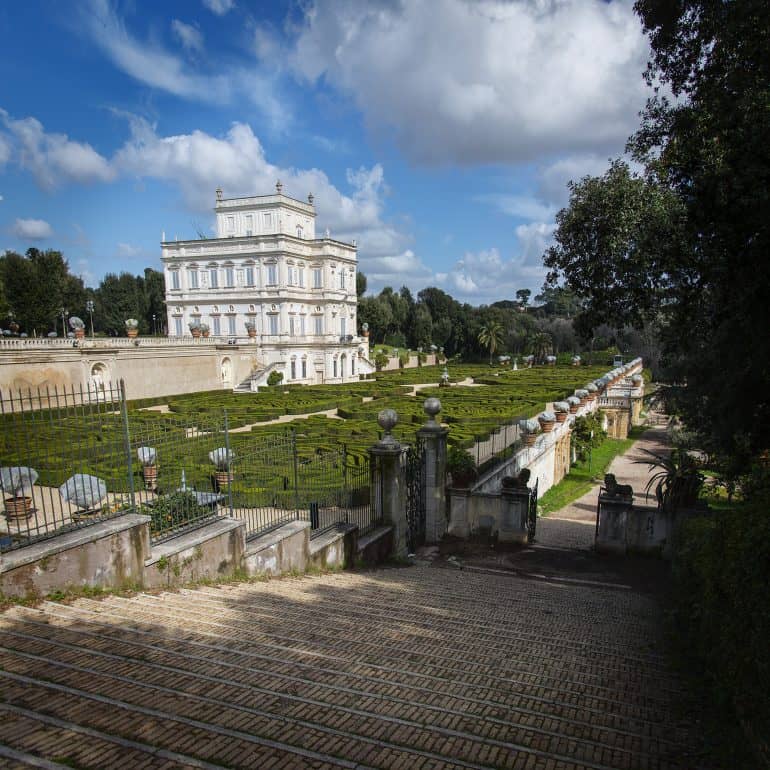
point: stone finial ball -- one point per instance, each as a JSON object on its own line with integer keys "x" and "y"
{"x": 387, "y": 419}
{"x": 432, "y": 407}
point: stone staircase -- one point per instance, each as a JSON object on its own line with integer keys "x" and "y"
{"x": 415, "y": 667}
{"x": 256, "y": 378}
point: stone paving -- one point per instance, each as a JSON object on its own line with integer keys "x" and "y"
{"x": 428, "y": 666}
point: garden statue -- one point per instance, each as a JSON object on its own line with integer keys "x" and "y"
{"x": 617, "y": 490}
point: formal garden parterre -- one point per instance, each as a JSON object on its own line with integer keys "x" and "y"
{"x": 499, "y": 396}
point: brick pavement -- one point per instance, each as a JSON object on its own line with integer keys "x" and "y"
{"x": 413, "y": 667}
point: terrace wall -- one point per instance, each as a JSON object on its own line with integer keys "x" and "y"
{"x": 186, "y": 368}
{"x": 149, "y": 369}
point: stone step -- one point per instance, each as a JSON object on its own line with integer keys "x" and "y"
{"x": 433, "y": 706}
{"x": 310, "y": 722}
{"x": 75, "y": 745}
{"x": 411, "y": 668}
{"x": 340, "y": 672}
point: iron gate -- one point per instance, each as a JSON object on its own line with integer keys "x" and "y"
{"x": 414, "y": 461}
{"x": 532, "y": 513}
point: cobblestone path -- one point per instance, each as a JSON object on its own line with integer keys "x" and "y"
{"x": 412, "y": 667}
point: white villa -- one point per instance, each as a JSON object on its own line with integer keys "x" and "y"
{"x": 267, "y": 283}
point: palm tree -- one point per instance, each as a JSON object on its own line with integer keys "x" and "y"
{"x": 542, "y": 344}
{"x": 491, "y": 336}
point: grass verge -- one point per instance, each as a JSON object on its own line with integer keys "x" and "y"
{"x": 581, "y": 478}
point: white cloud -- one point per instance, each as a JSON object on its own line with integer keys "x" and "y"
{"x": 146, "y": 62}
{"x": 127, "y": 251}
{"x": 150, "y": 63}
{"x": 483, "y": 82}
{"x": 198, "y": 162}
{"x": 54, "y": 158}
{"x": 534, "y": 239}
{"x": 219, "y": 7}
{"x": 485, "y": 276}
{"x": 189, "y": 36}
{"x": 5, "y": 148}
{"x": 32, "y": 229}
{"x": 553, "y": 178}
{"x": 520, "y": 206}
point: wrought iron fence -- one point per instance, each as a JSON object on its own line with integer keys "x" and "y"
{"x": 74, "y": 457}
{"x": 274, "y": 484}
{"x": 263, "y": 489}
{"x": 182, "y": 472}
{"x": 64, "y": 455}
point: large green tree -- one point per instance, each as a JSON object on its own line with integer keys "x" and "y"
{"x": 686, "y": 246}
{"x": 37, "y": 287}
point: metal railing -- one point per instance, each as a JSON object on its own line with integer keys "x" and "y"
{"x": 64, "y": 455}
{"x": 71, "y": 458}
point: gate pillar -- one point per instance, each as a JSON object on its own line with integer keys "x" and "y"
{"x": 389, "y": 482}
{"x": 434, "y": 440}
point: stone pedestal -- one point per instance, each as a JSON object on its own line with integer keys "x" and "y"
{"x": 434, "y": 439}
{"x": 388, "y": 494}
{"x": 459, "y": 503}
{"x": 513, "y": 515}
{"x": 612, "y": 524}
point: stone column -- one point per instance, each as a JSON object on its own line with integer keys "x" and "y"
{"x": 433, "y": 437}
{"x": 389, "y": 482}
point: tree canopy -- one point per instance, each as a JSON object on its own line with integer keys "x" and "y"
{"x": 685, "y": 244}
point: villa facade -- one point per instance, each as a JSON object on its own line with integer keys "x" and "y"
{"x": 266, "y": 281}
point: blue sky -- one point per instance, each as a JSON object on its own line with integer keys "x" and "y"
{"x": 440, "y": 134}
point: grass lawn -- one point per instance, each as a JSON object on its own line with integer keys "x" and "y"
{"x": 580, "y": 479}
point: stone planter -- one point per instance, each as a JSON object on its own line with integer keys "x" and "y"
{"x": 547, "y": 426}
{"x": 18, "y": 508}
{"x": 195, "y": 333}
{"x": 223, "y": 479}
{"x": 573, "y": 408}
{"x": 80, "y": 333}
{"x": 150, "y": 473}
{"x": 561, "y": 416}
{"x": 132, "y": 333}
{"x": 252, "y": 333}
{"x": 530, "y": 439}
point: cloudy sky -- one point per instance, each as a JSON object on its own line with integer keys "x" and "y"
{"x": 438, "y": 133}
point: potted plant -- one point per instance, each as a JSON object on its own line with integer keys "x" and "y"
{"x": 574, "y": 404}
{"x": 195, "y": 328}
{"x": 251, "y": 329}
{"x": 205, "y": 331}
{"x": 530, "y": 428}
{"x": 132, "y": 327}
{"x": 461, "y": 466}
{"x": 547, "y": 420}
{"x": 14, "y": 481}
{"x": 561, "y": 410}
{"x": 592, "y": 391}
{"x": 364, "y": 329}
{"x": 78, "y": 327}
{"x": 147, "y": 456}
{"x": 85, "y": 492}
{"x": 676, "y": 480}
{"x": 222, "y": 459}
